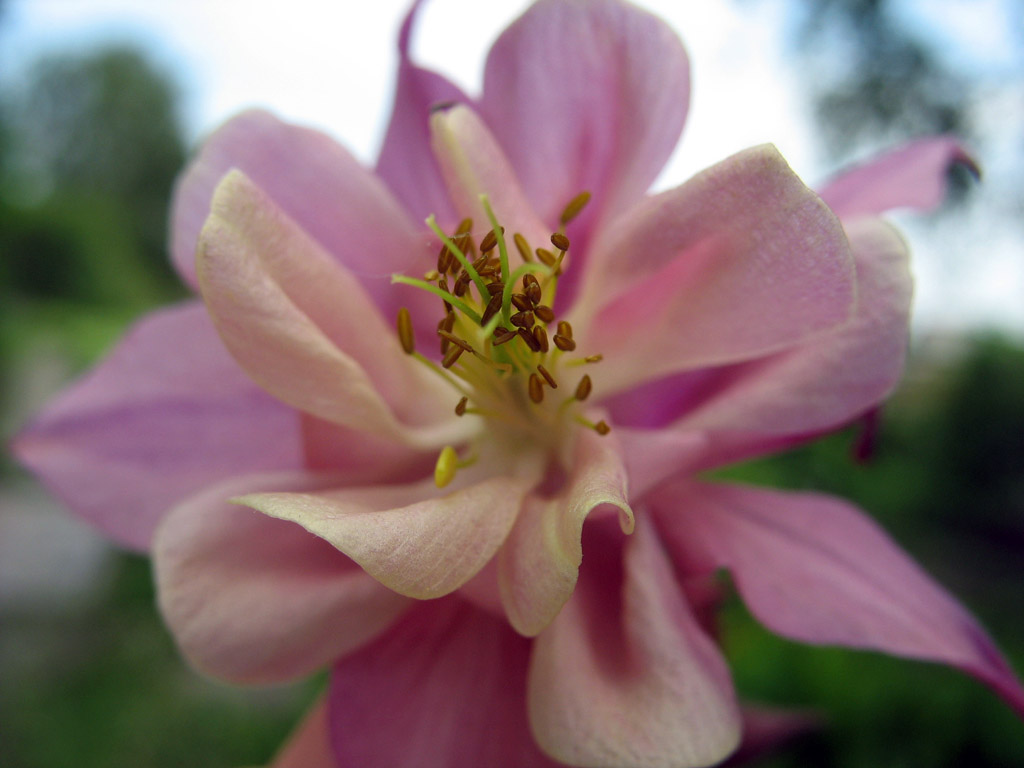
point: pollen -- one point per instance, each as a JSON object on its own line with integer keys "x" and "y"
{"x": 501, "y": 343}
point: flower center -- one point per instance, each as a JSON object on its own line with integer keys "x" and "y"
{"x": 502, "y": 348}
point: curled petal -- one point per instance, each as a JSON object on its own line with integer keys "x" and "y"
{"x": 628, "y": 677}
{"x": 409, "y": 538}
{"x": 406, "y": 162}
{"x": 269, "y": 291}
{"x": 252, "y": 599}
{"x": 912, "y": 176}
{"x": 314, "y": 180}
{"x": 444, "y": 687}
{"x": 539, "y": 564}
{"x": 815, "y": 569}
{"x": 167, "y": 413}
{"x": 586, "y": 96}
{"x": 741, "y": 261}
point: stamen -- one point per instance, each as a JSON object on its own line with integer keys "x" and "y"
{"x": 536, "y": 388}
{"x": 523, "y": 247}
{"x": 405, "y": 334}
{"x": 520, "y": 302}
{"x": 572, "y": 210}
{"x": 454, "y": 300}
{"x": 545, "y": 313}
{"x": 432, "y": 275}
{"x": 493, "y": 308}
{"x": 502, "y": 335}
{"x": 453, "y": 354}
{"x": 529, "y": 340}
{"x": 564, "y": 343}
{"x": 601, "y": 427}
{"x": 490, "y": 240}
{"x": 447, "y": 465}
{"x": 493, "y": 288}
{"x": 532, "y": 289}
{"x": 457, "y": 253}
{"x": 565, "y": 329}
{"x": 542, "y": 337}
{"x": 547, "y": 258}
{"x": 460, "y": 407}
{"x": 547, "y": 376}
{"x": 466, "y": 346}
{"x": 584, "y": 388}
{"x": 560, "y": 241}
{"x": 522, "y": 319}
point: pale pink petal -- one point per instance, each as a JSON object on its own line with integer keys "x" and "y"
{"x": 252, "y": 599}
{"x": 472, "y": 163}
{"x": 654, "y": 454}
{"x": 624, "y": 675}
{"x": 741, "y": 261}
{"x": 821, "y": 384}
{"x": 815, "y": 569}
{"x": 445, "y": 687}
{"x": 539, "y": 564}
{"x": 766, "y": 729}
{"x": 586, "y": 96}
{"x": 309, "y": 745}
{"x": 912, "y": 176}
{"x": 315, "y": 181}
{"x": 166, "y": 413}
{"x": 269, "y": 290}
{"x": 411, "y": 538}
{"x": 406, "y": 161}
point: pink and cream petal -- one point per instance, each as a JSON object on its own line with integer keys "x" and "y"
{"x": 315, "y": 181}
{"x": 473, "y": 164}
{"x": 411, "y": 538}
{"x": 586, "y": 96}
{"x": 741, "y": 261}
{"x": 445, "y": 687}
{"x": 252, "y": 599}
{"x": 833, "y": 379}
{"x": 815, "y": 569}
{"x": 257, "y": 273}
{"x": 309, "y": 746}
{"x": 406, "y": 162}
{"x": 165, "y": 414}
{"x": 624, "y": 675}
{"x": 539, "y": 563}
{"x": 913, "y": 176}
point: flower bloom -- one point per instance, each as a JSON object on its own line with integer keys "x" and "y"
{"x": 392, "y": 474}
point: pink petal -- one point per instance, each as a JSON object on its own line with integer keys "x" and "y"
{"x": 815, "y": 569}
{"x": 446, "y": 687}
{"x": 473, "y": 164}
{"x": 283, "y": 308}
{"x": 539, "y": 563}
{"x": 406, "y": 162}
{"x": 741, "y": 261}
{"x": 913, "y": 176}
{"x": 252, "y": 599}
{"x": 165, "y": 414}
{"x": 586, "y": 96}
{"x": 316, "y": 182}
{"x": 410, "y": 538}
{"x": 766, "y": 729}
{"x": 832, "y": 379}
{"x": 309, "y": 746}
{"x": 624, "y": 675}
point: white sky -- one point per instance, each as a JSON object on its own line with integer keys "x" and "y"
{"x": 331, "y": 63}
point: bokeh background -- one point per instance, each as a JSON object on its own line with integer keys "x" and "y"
{"x": 101, "y": 102}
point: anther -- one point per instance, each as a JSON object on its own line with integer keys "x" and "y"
{"x": 547, "y": 376}
{"x": 593, "y": 358}
{"x": 460, "y": 407}
{"x": 564, "y": 343}
{"x": 528, "y": 339}
{"x": 454, "y": 353}
{"x": 584, "y": 388}
{"x": 564, "y": 329}
{"x": 536, "y": 388}
{"x": 466, "y": 346}
{"x": 490, "y": 240}
{"x": 462, "y": 284}
{"x": 522, "y": 319}
{"x": 523, "y": 247}
{"x": 572, "y": 210}
{"x": 405, "y": 334}
{"x": 532, "y": 289}
{"x": 443, "y": 285}
{"x": 542, "y": 337}
{"x": 493, "y": 308}
{"x": 560, "y": 241}
{"x": 602, "y": 427}
{"x": 544, "y": 313}
{"x": 546, "y": 257}
{"x": 503, "y": 335}
{"x": 521, "y": 302}
{"x": 432, "y": 275}
{"x": 447, "y": 464}
{"x": 493, "y": 288}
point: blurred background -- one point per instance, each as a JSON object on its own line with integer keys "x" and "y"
{"x": 101, "y": 102}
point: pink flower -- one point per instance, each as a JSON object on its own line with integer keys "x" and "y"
{"x": 735, "y": 316}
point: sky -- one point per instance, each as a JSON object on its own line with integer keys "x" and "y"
{"x": 331, "y": 65}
